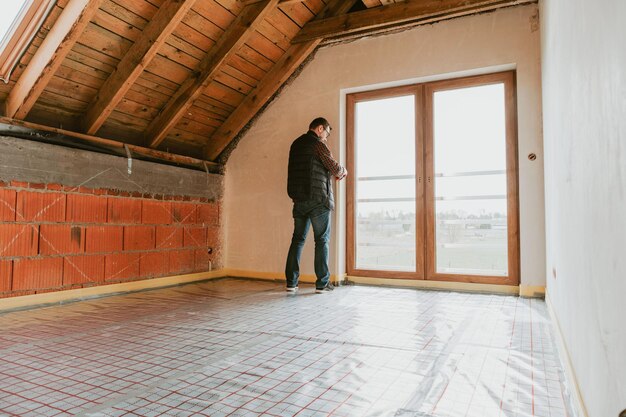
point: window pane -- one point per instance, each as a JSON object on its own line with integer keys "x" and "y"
{"x": 385, "y": 132}
{"x": 470, "y": 129}
{"x": 376, "y": 189}
{"x": 470, "y": 239}
{"x": 386, "y": 236}
{"x": 470, "y": 183}
{"x": 385, "y": 185}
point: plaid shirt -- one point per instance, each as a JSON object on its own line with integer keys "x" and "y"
{"x": 324, "y": 154}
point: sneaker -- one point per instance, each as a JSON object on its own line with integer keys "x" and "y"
{"x": 328, "y": 288}
{"x": 292, "y": 289}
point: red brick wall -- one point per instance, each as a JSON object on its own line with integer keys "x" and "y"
{"x": 55, "y": 238}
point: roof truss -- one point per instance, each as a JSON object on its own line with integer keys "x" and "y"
{"x": 134, "y": 62}
{"x": 234, "y": 37}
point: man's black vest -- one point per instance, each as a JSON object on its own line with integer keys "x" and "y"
{"x": 308, "y": 179}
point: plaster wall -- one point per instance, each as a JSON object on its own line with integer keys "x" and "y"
{"x": 258, "y": 223}
{"x": 584, "y": 101}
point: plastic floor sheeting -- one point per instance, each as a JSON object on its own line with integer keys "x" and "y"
{"x": 247, "y": 348}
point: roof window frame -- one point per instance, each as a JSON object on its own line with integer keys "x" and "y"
{"x": 21, "y": 33}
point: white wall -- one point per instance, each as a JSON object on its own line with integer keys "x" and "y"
{"x": 584, "y": 79}
{"x": 258, "y": 210}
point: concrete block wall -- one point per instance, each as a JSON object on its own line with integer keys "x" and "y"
{"x": 55, "y": 237}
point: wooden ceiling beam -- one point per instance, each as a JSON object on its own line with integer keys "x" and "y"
{"x": 229, "y": 43}
{"x": 273, "y": 80}
{"x": 113, "y": 144}
{"x": 134, "y": 62}
{"x": 58, "y": 42}
{"x": 410, "y": 12}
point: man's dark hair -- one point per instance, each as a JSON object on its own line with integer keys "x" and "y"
{"x": 320, "y": 121}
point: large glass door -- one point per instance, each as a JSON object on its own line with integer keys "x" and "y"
{"x": 471, "y": 190}
{"x": 459, "y": 224}
{"x": 387, "y": 194}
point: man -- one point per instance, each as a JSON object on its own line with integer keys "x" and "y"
{"x": 311, "y": 168}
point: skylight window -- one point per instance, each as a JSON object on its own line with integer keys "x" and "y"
{"x": 8, "y": 15}
{"x": 19, "y": 22}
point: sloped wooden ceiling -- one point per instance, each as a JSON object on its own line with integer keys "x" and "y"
{"x": 178, "y": 80}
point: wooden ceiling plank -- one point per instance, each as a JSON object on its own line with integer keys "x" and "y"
{"x": 195, "y": 38}
{"x": 186, "y": 46}
{"x": 224, "y": 94}
{"x": 224, "y": 78}
{"x": 179, "y": 56}
{"x": 146, "y": 96}
{"x": 239, "y": 75}
{"x": 217, "y": 14}
{"x": 134, "y": 62}
{"x": 203, "y": 26}
{"x": 275, "y": 35}
{"x": 283, "y": 24}
{"x": 200, "y": 112}
{"x": 281, "y": 2}
{"x": 265, "y": 47}
{"x": 408, "y": 12}
{"x": 210, "y": 104}
{"x": 245, "y": 66}
{"x": 80, "y": 66}
{"x": 157, "y": 83}
{"x": 71, "y": 89}
{"x": 372, "y": 3}
{"x": 125, "y": 15}
{"x": 297, "y": 12}
{"x": 169, "y": 70}
{"x": 70, "y": 70}
{"x": 103, "y": 40}
{"x": 117, "y": 26}
{"x": 234, "y": 6}
{"x": 234, "y": 37}
{"x": 59, "y": 41}
{"x": 255, "y": 57}
{"x": 267, "y": 87}
{"x": 93, "y": 58}
{"x": 145, "y": 9}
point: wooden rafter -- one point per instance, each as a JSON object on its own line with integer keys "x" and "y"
{"x": 234, "y": 37}
{"x": 113, "y": 144}
{"x": 57, "y": 44}
{"x": 273, "y": 80}
{"x": 410, "y": 12}
{"x": 134, "y": 62}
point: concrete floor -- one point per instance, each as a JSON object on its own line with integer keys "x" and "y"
{"x": 248, "y": 348}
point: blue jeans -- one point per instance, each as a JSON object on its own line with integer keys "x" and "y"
{"x": 305, "y": 214}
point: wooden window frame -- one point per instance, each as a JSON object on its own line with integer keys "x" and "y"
{"x": 21, "y": 33}
{"x": 425, "y": 193}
